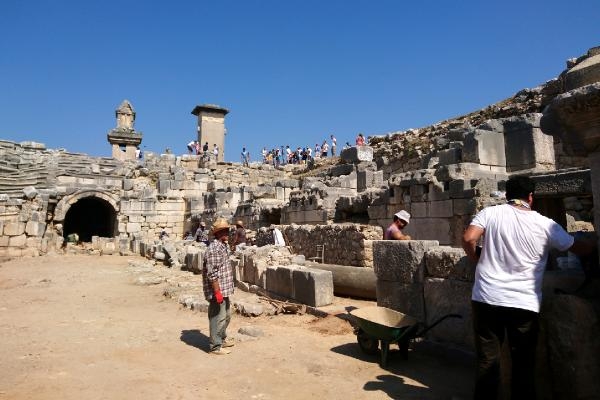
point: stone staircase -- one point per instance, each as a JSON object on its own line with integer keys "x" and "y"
{"x": 31, "y": 164}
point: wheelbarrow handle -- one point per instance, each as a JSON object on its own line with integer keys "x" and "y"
{"x": 426, "y": 328}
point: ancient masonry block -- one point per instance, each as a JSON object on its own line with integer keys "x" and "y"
{"x": 406, "y": 298}
{"x": 447, "y": 296}
{"x": 313, "y": 287}
{"x": 279, "y": 281}
{"x": 400, "y": 261}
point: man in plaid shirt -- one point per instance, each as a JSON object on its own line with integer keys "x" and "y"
{"x": 217, "y": 282}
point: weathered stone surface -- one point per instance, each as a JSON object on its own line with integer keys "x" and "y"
{"x": 484, "y": 147}
{"x": 448, "y": 296}
{"x": 30, "y": 192}
{"x": 406, "y": 298}
{"x": 14, "y": 228}
{"x": 449, "y": 262}
{"x": 357, "y": 154}
{"x": 313, "y": 287}
{"x": 279, "y": 280}
{"x": 400, "y": 260}
{"x": 572, "y": 330}
{"x": 252, "y": 331}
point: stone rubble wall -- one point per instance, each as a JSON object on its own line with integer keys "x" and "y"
{"x": 345, "y": 244}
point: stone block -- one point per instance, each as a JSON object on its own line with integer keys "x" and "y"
{"x": 484, "y": 147}
{"x": 133, "y": 227}
{"x": 440, "y": 209}
{"x": 572, "y": 330}
{"x": 4, "y": 241}
{"x": 357, "y": 154}
{"x": 447, "y": 296}
{"x": 464, "y": 206}
{"x": 127, "y": 184}
{"x": 34, "y": 228}
{"x": 449, "y": 262}
{"x": 164, "y": 186}
{"x": 418, "y": 210}
{"x": 313, "y": 287}
{"x": 364, "y": 180}
{"x": 30, "y": 192}
{"x": 437, "y": 229}
{"x": 279, "y": 280}
{"x": 14, "y": 228}
{"x": 400, "y": 260}
{"x": 405, "y": 298}
{"x": 450, "y": 156}
{"x": 526, "y": 145}
{"x": 17, "y": 241}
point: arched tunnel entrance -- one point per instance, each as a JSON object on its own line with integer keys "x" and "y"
{"x": 90, "y": 216}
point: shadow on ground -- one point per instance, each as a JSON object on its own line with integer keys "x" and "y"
{"x": 438, "y": 378}
{"x": 195, "y": 338}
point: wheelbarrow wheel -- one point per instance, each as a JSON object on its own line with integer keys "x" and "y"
{"x": 368, "y": 344}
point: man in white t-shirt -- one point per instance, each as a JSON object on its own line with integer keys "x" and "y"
{"x": 508, "y": 285}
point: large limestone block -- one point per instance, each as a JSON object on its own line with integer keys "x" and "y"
{"x": 14, "y": 228}
{"x": 313, "y": 287}
{"x": 400, "y": 260}
{"x": 34, "y": 228}
{"x": 449, "y": 262}
{"x": 484, "y": 147}
{"x": 447, "y": 296}
{"x": 437, "y": 229}
{"x": 357, "y": 154}
{"x": 440, "y": 209}
{"x": 406, "y": 298}
{"x": 17, "y": 241}
{"x": 573, "y": 347}
{"x": 526, "y": 145}
{"x": 584, "y": 73}
{"x": 279, "y": 280}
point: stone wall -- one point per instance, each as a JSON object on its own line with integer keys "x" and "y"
{"x": 345, "y": 244}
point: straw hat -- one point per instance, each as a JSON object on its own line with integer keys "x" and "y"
{"x": 219, "y": 225}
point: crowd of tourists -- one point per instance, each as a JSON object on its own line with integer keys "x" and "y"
{"x": 194, "y": 147}
{"x": 282, "y": 155}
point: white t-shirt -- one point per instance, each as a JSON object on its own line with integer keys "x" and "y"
{"x": 514, "y": 255}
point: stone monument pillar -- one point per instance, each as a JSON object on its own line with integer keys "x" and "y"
{"x": 124, "y": 139}
{"x": 211, "y": 127}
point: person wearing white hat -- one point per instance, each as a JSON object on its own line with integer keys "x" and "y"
{"x": 394, "y": 231}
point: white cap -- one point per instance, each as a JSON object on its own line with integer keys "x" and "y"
{"x": 403, "y": 215}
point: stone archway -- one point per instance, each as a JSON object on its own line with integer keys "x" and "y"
{"x": 88, "y": 213}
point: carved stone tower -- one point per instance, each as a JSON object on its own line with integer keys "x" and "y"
{"x": 211, "y": 126}
{"x": 124, "y": 139}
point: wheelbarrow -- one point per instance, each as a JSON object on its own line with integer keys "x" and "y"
{"x": 375, "y": 324}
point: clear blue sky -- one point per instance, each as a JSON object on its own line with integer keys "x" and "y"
{"x": 290, "y": 72}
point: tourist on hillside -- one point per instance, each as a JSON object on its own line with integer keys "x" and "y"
{"x": 507, "y": 291}
{"x": 317, "y": 150}
{"x": 394, "y": 231}
{"x": 191, "y": 146}
{"x": 333, "y": 145}
{"x": 360, "y": 140}
{"x": 264, "y": 154}
{"x": 245, "y": 157}
{"x": 216, "y": 152}
{"x": 239, "y": 237}
{"x": 346, "y": 146}
{"x": 217, "y": 284}
{"x": 324, "y": 149}
{"x": 289, "y": 154}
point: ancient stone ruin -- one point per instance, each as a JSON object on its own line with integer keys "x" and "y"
{"x": 442, "y": 174}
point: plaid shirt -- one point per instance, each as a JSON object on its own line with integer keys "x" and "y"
{"x": 217, "y": 266}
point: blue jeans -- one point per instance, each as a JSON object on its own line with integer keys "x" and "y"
{"x": 219, "y": 316}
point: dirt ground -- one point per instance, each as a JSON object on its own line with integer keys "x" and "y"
{"x": 76, "y": 327}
